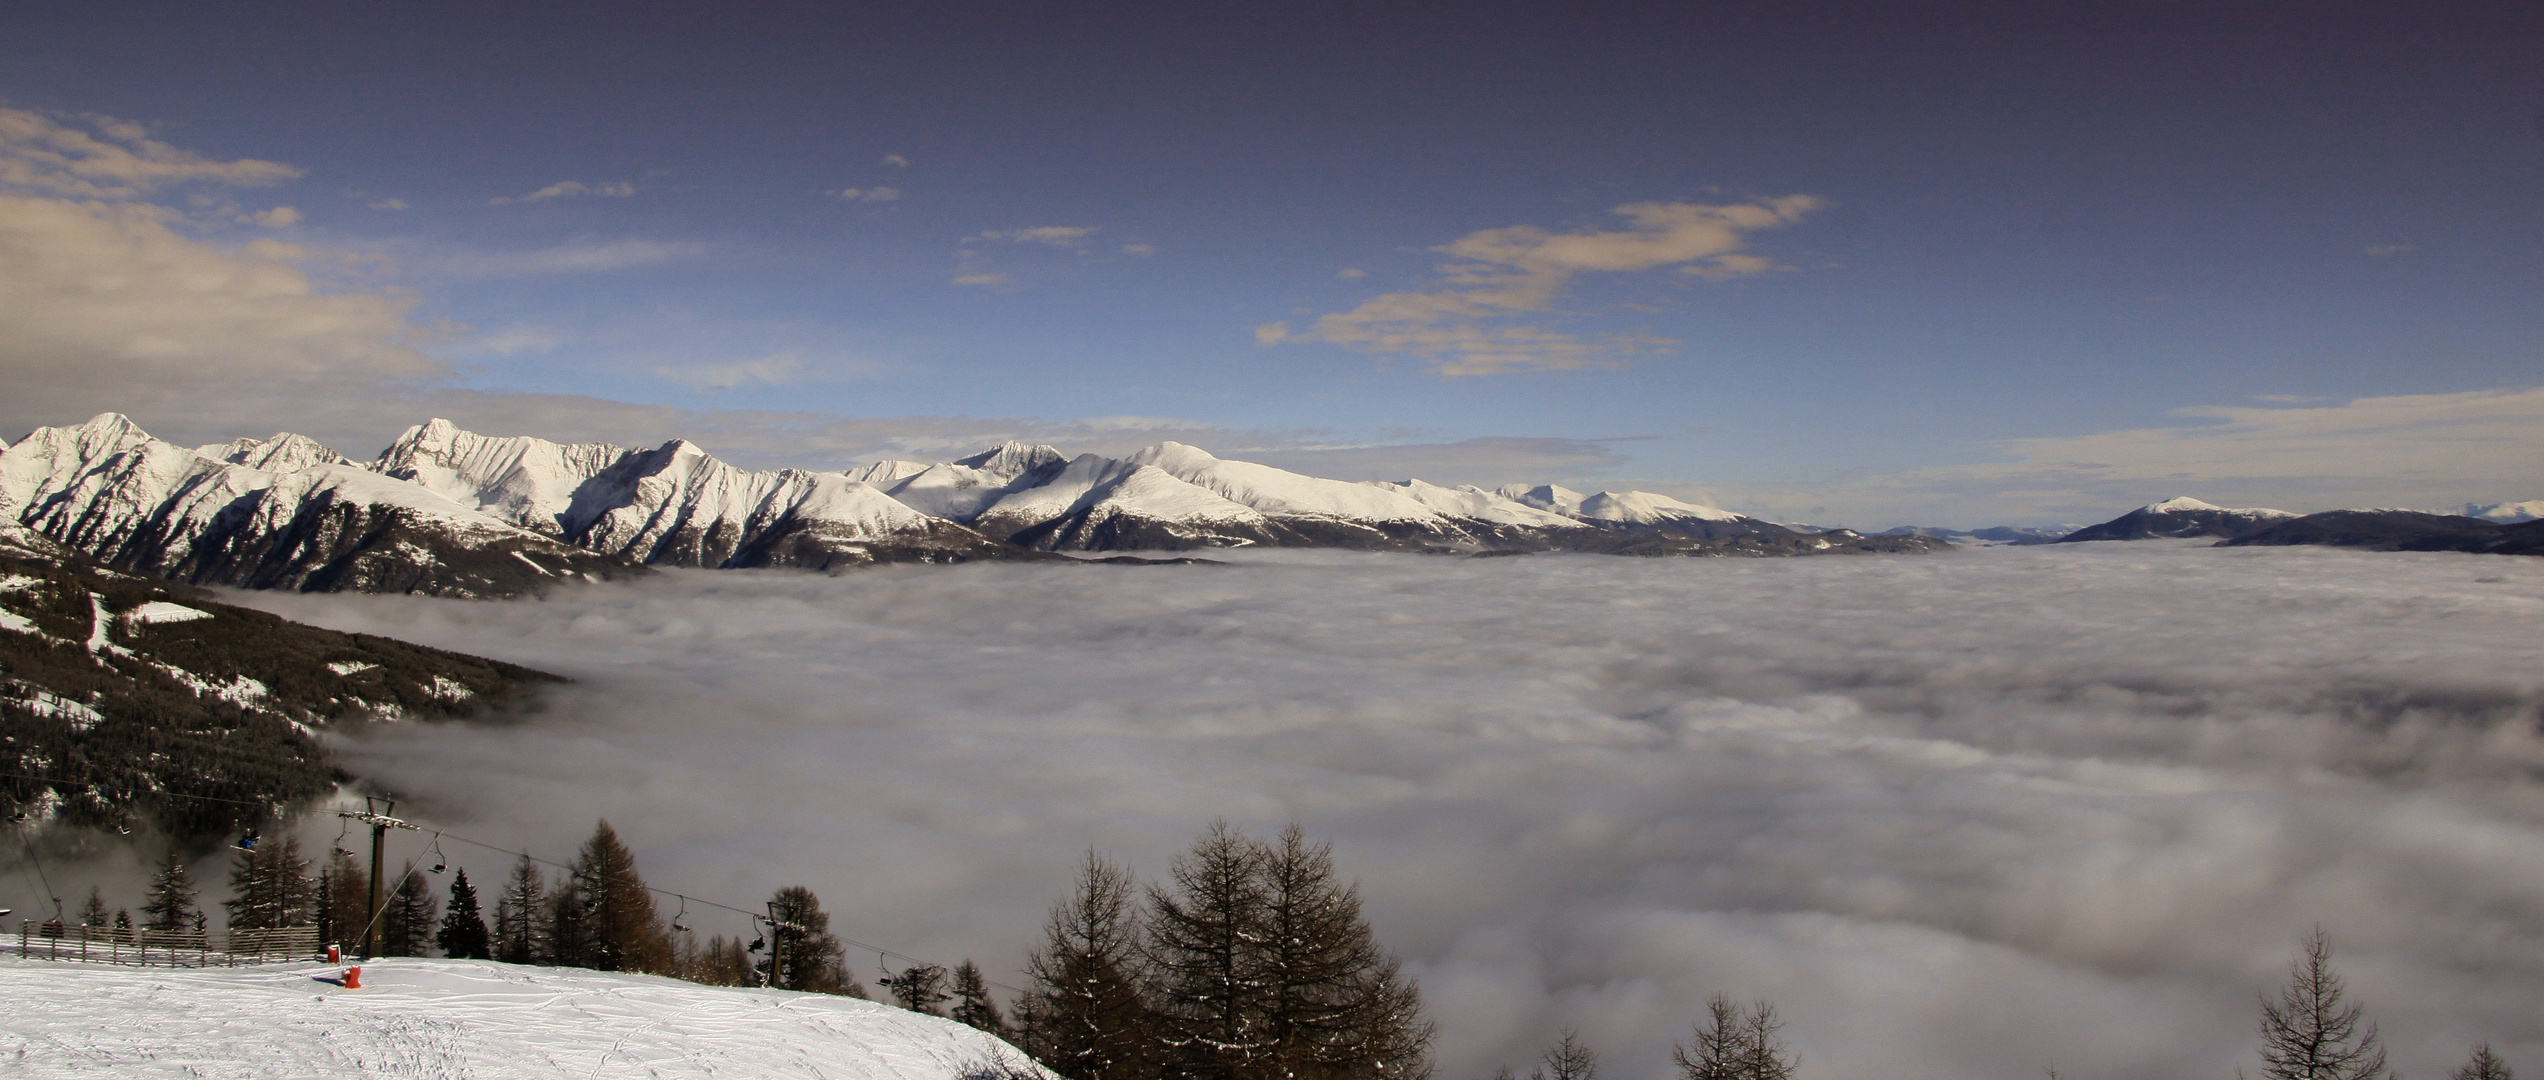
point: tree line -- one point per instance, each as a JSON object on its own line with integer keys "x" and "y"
{"x": 1251, "y": 961}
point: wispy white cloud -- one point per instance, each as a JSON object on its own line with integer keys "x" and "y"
{"x": 105, "y": 306}
{"x": 562, "y": 189}
{"x": 389, "y": 204}
{"x": 1476, "y": 322}
{"x": 896, "y": 161}
{"x": 280, "y": 217}
{"x": 1139, "y": 250}
{"x": 119, "y": 160}
{"x": 775, "y": 369}
{"x": 1351, "y": 273}
{"x": 983, "y": 278}
{"x": 517, "y": 340}
{"x": 1056, "y": 235}
{"x": 576, "y": 258}
{"x": 781, "y": 368}
{"x": 866, "y": 195}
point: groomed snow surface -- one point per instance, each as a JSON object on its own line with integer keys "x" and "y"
{"x": 454, "y": 1018}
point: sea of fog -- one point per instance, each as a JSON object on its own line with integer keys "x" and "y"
{"x": 1962, "y": 815}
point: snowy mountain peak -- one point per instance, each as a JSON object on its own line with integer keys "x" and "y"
{"x": 1646, "y": 508}
{"x": 2186, "y": 504}
{"x": 111, "y": 491}
{"x": 675, "y": 503}
{"x": 1012, "y": 459}
{"x": 1561, "y": 500}
{"x": 2506, "y": 513}
{"x": 527, "y": 481}
{"x": 284, "y": 452}
{"x": 1281, "y": 492}
{"x": 1474, "y": 502}
{"x": 2181, "y": 502}
{"x": 102, "y": 433}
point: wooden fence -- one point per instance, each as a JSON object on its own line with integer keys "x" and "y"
{"x": 165, "y": 948}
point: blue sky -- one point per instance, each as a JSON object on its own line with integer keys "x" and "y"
{"x": 1934, "y": 263}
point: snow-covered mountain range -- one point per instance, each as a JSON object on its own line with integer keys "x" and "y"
{"x": 450, "y": 512}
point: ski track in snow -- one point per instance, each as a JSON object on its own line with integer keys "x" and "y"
{"x": 1956, "y": 815}
{"x": 452, "y": 1019}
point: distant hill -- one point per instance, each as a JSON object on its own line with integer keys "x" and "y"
{"x": 1994, "y": 534}
{"x": 2401, "y": 530}
{"x": 131, "y": 701}
{"x": 2181, "y": 517}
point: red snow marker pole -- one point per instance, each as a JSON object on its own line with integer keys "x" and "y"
{"x": 353, "y": 977}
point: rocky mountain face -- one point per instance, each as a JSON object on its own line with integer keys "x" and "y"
{"x": 2180, "y": 518}
{"x": 675, "y": 504}
{"x": 448, "y": 512}
{"x": 110, "y": 491}
{"x": 126, "y": 702}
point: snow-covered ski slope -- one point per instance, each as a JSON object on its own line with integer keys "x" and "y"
{"x": 455, "y": 1018}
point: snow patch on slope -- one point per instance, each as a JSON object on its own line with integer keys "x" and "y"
{"x": 2507, "y": 513}
{"x": 2184, "y": 503}
{"x": 1469, "y": 501}
{"x": 284, "y": 452}
{"x": 1281, "y": 492}
{"x": 161, "y": 611}
{"x": 1094, "y": 489}
{"x": 459, "y": 1018}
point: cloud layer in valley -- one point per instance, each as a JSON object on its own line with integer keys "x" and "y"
{"x": 1956, "y": 815}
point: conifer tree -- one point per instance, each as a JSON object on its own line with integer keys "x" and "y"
{"x": 123, "y": 925}
{"x": 1568, "y": 1059}
{"x": 625, "y": 932}
{"x": 569, "y": 929}
{"x": 1333, "y": 1003}
{"x": 270, "y": 887}
{"x": 720, "y": 962}
{"x": 463, "y": 932}
{"x": 1081, "y": 1014}
{"x": 1735, "y": 1044}
{"x": 2309, "y": 1033}
{"x": 920, "y": 988}
{"x": 810, "y": 956}
{"x": 972, "y": 1003}
{"x": 1201, "y": 959}
{"x": 93, "y": 912}
{"x": 2483, "y": 1065}
{"x": 171, "y": 897}
{"x": 407, "y": 926}
{"x": 521, "y": 916}
{"x": 345, "y": 904}
{"x": 1259, "y": 963}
